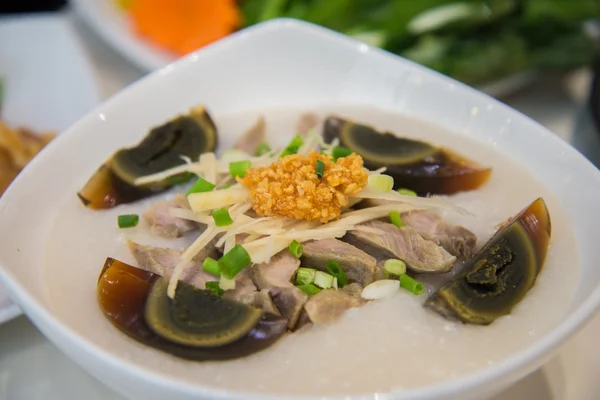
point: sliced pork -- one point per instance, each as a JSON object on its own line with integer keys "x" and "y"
{"x": 458, "y": 241}
{"x": 276, "y": 276}
{"x": 358, "y": 265}
{"x": 163, "y": 261}
{"x": 163, "y": 224}
{"x": 328, "y": 305}
{"x": 253, "y": 137}
{"x": 402, "y": 243}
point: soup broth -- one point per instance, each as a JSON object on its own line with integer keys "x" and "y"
{"x": 387, "y": 344}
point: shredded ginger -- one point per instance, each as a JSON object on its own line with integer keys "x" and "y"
{"x": 290, "y": 187}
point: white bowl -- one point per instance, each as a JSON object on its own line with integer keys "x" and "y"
{"x": 285, "y": 63}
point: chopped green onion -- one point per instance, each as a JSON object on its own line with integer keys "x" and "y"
{"x": 221, "y": 217}
{"x": 381, "y": 183}
{"x": 227, "y": 283}
{"x": 296, "y": 142}
{"x": 320, "y": 169}
{"x": 239, "y": 168}
{"x": 340, "y": 151}
{"x": 201, "y": 186}
{"x": 309, "y": 289}
{"x": 128, "y": 220}
{"x": 323, "y": 280}
{"x": 262, "y": 149}
{"x": 395, "y": 219}
{"x": 333, "y": 267}
{"x": 180, "y": 178}
{"x": 305, "y": 276}
{"x": 293, "y": 147}
{"x": 407, "y": 192}
{"x": 234, "y": 261}
{"x": 215, "y": 288}
{"x": 335, "y": 283}
{"x": 394, "y": 267}
{"x": 211, "y": 266}
{"x": 287, "y": 152}
{"x": 296, "y": 248}
{"x": 410, "y": 284}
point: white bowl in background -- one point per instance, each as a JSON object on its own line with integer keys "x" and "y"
{"x": 286, "y": 63}
{"x": 48, "y": 84}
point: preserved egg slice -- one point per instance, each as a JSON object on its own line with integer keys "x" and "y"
{"x": 500, "y": 275}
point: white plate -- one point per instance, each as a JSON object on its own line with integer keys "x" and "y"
{"x": 112, "y": 25}
{"x": 48, "y": 83}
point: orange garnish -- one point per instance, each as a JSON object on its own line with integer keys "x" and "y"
{"x": 182, "y": 26}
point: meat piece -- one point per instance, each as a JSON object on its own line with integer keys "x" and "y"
{"x": 328, "y": 305}
{"x": 353, "y": 289}
{"x": 263, "y": 300}
{"x": 163, "y": 261}
{"x": 162, "y": 223}
{"x": 458, "y": 241}
{"x": 306, "y": 122}
{"x": 405, "y": 244}
{"x": 254, "y": 136}
{"x": 289, "y": 300}
{"x": 358, "y": 265}
{"x": 276, "y": 275}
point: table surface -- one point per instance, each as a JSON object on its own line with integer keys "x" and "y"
{"x": 32, "y": 368}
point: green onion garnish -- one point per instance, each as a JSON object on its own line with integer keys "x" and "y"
{"x": 226, "y": 283}
{"x": 407, "y": 192}
{"x": 395, "y": 267}
{"x": 296, "y": 248}
{"x": 239, "y": 168}
{"x": 180, "y": 178}
{"x": 320, "y": 168}
{"x": 305, "y": 276}
{"x": 262, "y": 149}
{"x": 221, "y": 217}
{"x": 211, "y": 266}
{"x": 381, "y": 183}
{"x": 215, "y": 288}
{"x": 395, "y": 219}
{"x": 234, "y": 261}
{"x": 296, "y": 143}
{"x": 340, "y": 151}
{"x": 293, "y": 146}
{"x": 309, "y": 289}
{"x": 323, "y": 280}
{"x": 410, "y": 284}
{"x": 128, "y": 220}
{"x": 200, "y": 186}
{"x": 333, "y": 267}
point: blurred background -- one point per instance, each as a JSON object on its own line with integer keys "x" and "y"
{"x": 59, "y": 58}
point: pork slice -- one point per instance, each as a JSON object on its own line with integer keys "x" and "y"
{"x": 162, "y": 261}
{"x": 276, "y": 276}
{"x": 330, "y": 304}
{"x": 306, "y": 122}
{"x": 358, "y": 265}
{"x": 290, "y": 301}
{"x": 163, "y": 224}
{"x": 457, "y": 240}
{"x": 252, "y": 138}
{"x": 276, "y": 273}
{"x": 263, "y": 300}
{"x": 405, "y": 244}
